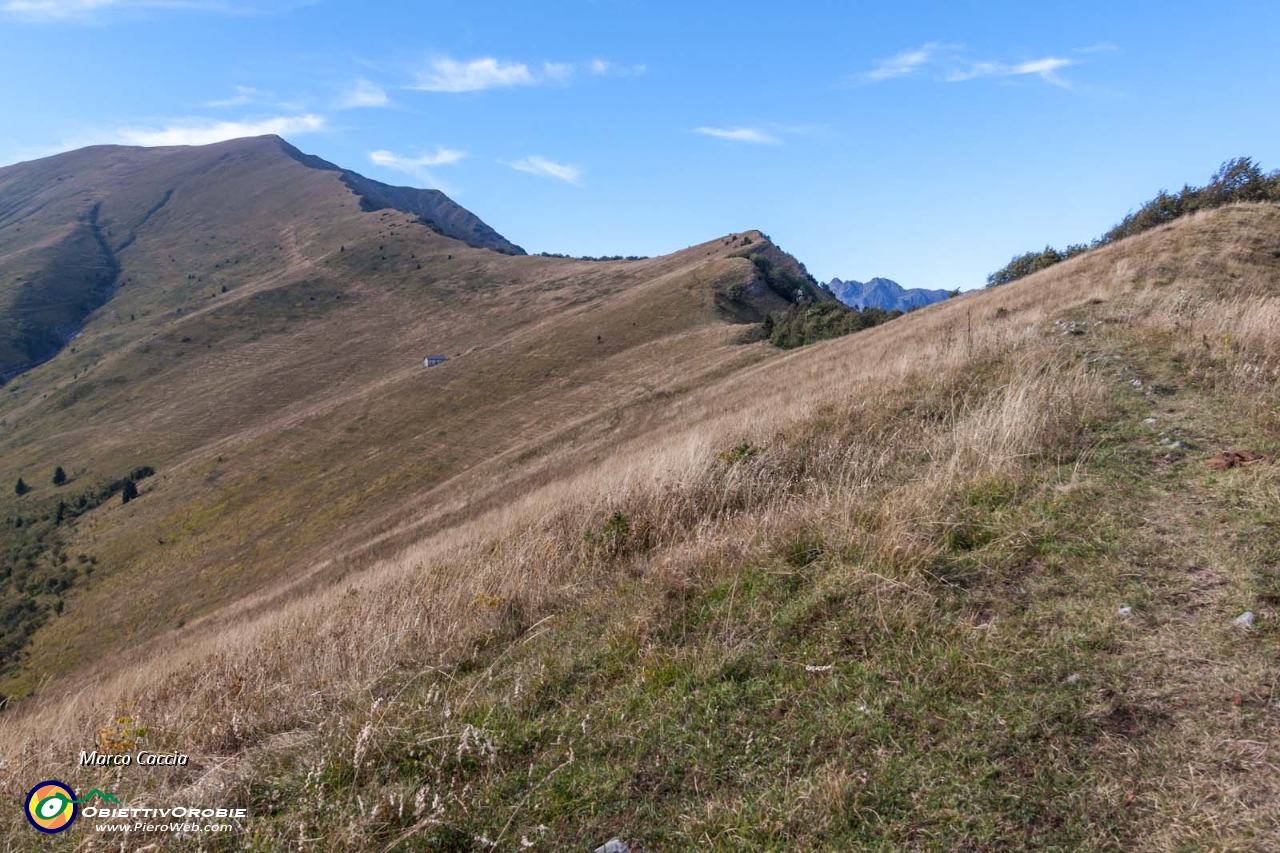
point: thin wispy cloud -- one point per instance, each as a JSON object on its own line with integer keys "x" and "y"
{"x": 363, "y": 93}
{"x": 442, "y": 157}
{"x": 54, "y": 10}
{"x": 244, "y": 95}
{"x": 450, "y": 75}
{"x": 948, "y": 63}
{"x": 87, "y": 10}
{"x": 445, "y": 74}
{"x": 204, "y": 132}
{"x": 536, "y": 165}
{"x": 604, "y": 68}
{"x": 558, "y": 72}
{"x": 1100, "y": 47}
{"x": 1046, "y": 69}
{"x": 752, "y": 135}
{"x": 418, "y": 167}
{"x": 902, "y": 64}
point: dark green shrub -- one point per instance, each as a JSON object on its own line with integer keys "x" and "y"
{"x": 818, "y": 321}
{"x": 737, "y": 454}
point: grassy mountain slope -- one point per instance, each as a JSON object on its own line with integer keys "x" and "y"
{"x": 263, "y": 352}
{"x": 955, "y": 592}
{"x": 70, "y": 226}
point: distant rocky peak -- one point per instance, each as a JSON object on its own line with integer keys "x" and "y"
{"x": 883, "y": 293}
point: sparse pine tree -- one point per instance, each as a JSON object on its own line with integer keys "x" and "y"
{"x": 21, "y": 488}
{"x": 130, "y": 491}
{"x": 59, "y": 476}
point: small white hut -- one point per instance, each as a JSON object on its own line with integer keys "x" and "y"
{"x": 434, "y": 360}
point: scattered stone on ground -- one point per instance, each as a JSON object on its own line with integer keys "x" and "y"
{"x": 1233, "y": 459}
{"x": 1148, "y": 420}
{"x": 1073, "y": 678}
{"x": 613, "y": 845}
{"x": 1125, "y": 611}
{"x": 1137, "y": 383}
{"x": 1244, "y": 620}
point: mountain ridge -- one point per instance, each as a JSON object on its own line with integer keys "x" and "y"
{"x": 883, "y": 293}
{"x": 433, "y": 206}
{"x": 67, "y": 221}
{"x": 260, "y": 346}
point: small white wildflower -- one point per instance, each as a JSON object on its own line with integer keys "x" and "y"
{"x": 474, "y": 740}
{"x": 420, "y": 802}
{"x": 362, "y": 744}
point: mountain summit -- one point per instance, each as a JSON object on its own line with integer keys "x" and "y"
{"x": 884, "y": 294}
{"x": 78, "y": 226}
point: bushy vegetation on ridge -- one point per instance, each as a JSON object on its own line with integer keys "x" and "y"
{"x": 814, "y": 315}
{"x": 819, "y": 321}
{"x": 1237, "y": 180}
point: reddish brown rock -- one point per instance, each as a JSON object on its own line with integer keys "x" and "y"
{"x": 1233, "y": 459}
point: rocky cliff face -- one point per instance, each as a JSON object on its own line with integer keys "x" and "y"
{"x": 436, "y": 209}
{"x": 883, "y": 293}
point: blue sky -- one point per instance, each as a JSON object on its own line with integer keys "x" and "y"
{"x": 925, "y": 142}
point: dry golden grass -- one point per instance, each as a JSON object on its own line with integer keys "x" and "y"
{"x": 296, "y": 435}
{"x": 884, "y": 425}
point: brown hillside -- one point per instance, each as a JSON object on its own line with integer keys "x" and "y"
{"x": 290, "y": 417}
{"x": 945, "y": 583}
{"x": 969, "y": 580}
